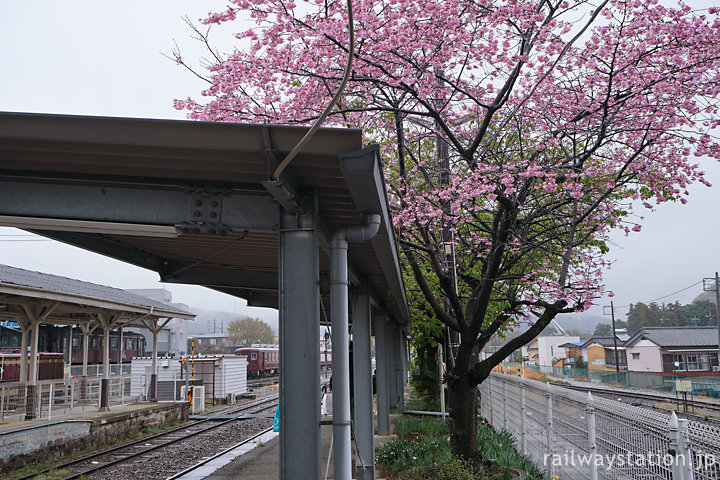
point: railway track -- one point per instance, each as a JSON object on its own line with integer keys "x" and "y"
{"x": 249, "y": 441}
{"x": 647, "y": 397}
{"x": 152, "y": 446}
{"x": 264, "y": 381}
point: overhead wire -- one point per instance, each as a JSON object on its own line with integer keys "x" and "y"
{"x": 665, "y": 296}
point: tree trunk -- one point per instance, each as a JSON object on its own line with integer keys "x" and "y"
{"x": 463, "y": 413}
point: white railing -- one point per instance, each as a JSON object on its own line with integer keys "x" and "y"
{"x": 573, "y": 435}
{"x": 96, "y": 370}
{"x": 53, "y": 398}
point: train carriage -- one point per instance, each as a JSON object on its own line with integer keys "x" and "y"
{"x": 262, "y": 360}
{"x": 50, "y": 366}
{"x": 54, "y": 339}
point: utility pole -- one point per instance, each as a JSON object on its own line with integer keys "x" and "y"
{"x": 442, "y": 151}
{"x": 713, "y": 285}
{"x": 612, "y": 313}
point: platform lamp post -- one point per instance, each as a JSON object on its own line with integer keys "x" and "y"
{"x": 612, "y": 313}
{"x": 713, "y": 285}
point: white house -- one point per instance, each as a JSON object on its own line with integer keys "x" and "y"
{"x": 673, "y": 350}
{"x": 543, "y": 350}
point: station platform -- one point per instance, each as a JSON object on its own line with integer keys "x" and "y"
{"x": 22, "y": 439}
{"x": 263, "y": 463}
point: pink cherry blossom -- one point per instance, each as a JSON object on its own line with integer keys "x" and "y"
{"x": 556, "y": 126}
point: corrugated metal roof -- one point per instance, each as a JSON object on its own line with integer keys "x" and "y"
{"x": 48, "y": 283}
{"x": 184, "y": 156}
{"x": 678, "y": 336}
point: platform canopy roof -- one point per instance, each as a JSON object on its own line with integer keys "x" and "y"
{"x": 194, "y": 201}
{"x": 74, "y": 301}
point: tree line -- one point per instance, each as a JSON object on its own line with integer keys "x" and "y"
{"x": 696, "y": 314}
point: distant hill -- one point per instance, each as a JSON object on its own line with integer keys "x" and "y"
{"x": 583, "y": 321}
{"x": 706, "y": 297}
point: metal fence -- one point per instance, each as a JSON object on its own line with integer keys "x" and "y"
{"x": 58, "y": 397}
{"x": 574, "y": 436}
{"x": 701, "y": 385}
{"x": 96, "y": 370}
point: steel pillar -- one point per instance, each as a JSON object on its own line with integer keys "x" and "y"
{"x": 342, "y": 453}
{"x": 299, "y": 302}
{"x": 362, "y": 378}
{"x": 392, "y": 356}
{"x": 340, "y": 360}
{"x": 381, "y": 376}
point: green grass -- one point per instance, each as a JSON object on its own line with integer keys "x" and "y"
{"x": 501, "y": 447}
{"x": 401, "y": 454}
{"x": 422, "y": 451}
{"x": 455, "y": 469}
{"x": 422, "y": 403}
{"x": 425, "y": 426}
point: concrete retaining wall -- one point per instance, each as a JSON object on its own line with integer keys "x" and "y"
{"x": 27, "y": 444}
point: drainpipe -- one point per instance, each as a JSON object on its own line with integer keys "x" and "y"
{"x": 342, "y": 451}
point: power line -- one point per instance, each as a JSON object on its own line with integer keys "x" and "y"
{"x": 679, "y": 291}
{"x": 27, "y": 240}
{"x": 665, "y": 296}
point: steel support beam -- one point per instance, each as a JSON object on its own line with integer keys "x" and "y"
{"x": 112, "y": 248}
{"x": 224, "y": 278}
{"x": 191, "y": 211}
{"x": 363, "y": 394}
{"x": 299, "y": 301}
{"x": 381, "y": 377}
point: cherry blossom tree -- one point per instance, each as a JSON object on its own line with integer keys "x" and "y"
{"x": 515, "y": 133}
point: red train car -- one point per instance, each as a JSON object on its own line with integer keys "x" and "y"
{"x": 50, "y": 366}
{"x": 263, "y": 360}
{"x": 53, "y": 338}
{"x": 133, "y": 346}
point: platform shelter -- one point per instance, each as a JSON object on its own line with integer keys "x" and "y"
{"x": 30, "y": 299}
{"x": 204, "y": 203}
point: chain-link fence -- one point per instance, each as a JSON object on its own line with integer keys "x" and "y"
{"x": 575, "y": 436}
